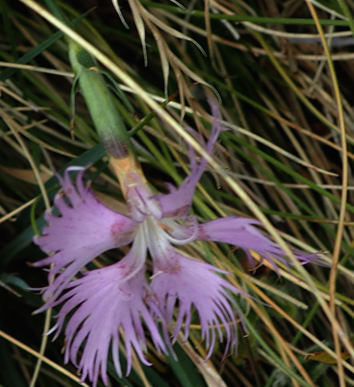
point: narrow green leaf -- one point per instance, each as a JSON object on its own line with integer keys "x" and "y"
{"x": 184, "y": 370}
{"x": 7, "y": 73}
{"x": 9, "y": 372}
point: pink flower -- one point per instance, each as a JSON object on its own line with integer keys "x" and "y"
{"x": 115, "y": 302}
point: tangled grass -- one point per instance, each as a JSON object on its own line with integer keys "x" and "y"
{"x": 283, "y": 72}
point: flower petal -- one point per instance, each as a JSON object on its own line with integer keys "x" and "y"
{"x": 241, "y": 233}
{"x": 84, "y": 229}
{"x": 181, "y": 281}
{"x": 195, "y": 285}
{"x": 109, "y": 305}
{"x": 178, "y": 201}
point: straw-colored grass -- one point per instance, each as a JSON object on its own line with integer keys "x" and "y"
{"x": 283, "y": 74}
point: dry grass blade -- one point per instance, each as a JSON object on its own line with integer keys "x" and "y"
{"x": 43, "y": 358}
{"x": 338, "y": 241}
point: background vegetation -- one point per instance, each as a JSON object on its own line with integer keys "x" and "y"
{"x": 284, "y": 73}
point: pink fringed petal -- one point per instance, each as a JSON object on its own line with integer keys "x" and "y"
{"x": 193, "y": 285}
{"x": 178, "y": 201}
{"x": 105, "y": 301}
{"x": 188, "y": 284}
{"x": 241, "y": 232}
{"x": 84, "y": 229}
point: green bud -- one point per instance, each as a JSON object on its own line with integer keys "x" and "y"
{"x": 100, "y": 103}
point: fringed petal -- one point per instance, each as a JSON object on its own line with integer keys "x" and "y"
{"x": 107, "y": 306}
{"x": 189, "y": 285}
{"x": 84, "y": 229}
{"x": 241, "y": 232}
{"x": 178, "y": 201}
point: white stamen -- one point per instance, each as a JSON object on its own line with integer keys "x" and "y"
{"x": 156, "y": 274}
{"x": 180, "y": 241}
{"x": 140, "y": 245}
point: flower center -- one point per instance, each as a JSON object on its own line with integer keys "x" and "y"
{"x": 160, "y": 234}
{"x": 142, "y": 203}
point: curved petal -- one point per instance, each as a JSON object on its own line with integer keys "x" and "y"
{"x": 178, "y": 201}
{"x": 84, "y": 229}
{"x": 108, "y": 305}
{"x": 188, "y": 284}
{"x": 242, "y": 233}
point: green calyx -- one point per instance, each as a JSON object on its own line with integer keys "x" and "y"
{"x": 100, "y": 103}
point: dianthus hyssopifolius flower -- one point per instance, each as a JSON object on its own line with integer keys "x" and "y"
{"x": 118, "y": 302}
